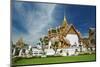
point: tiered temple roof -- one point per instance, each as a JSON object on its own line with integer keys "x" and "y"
{"x": 62, "y": 31}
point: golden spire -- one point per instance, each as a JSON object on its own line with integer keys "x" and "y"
{"x": 64, "y": 16}
{"x": 64, "y": 21}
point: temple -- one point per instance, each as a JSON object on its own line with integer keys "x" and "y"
{"x": 67, "y": 35}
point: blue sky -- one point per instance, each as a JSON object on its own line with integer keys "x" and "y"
{"x": 32, "y": 20}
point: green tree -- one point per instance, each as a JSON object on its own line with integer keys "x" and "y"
{"x": 80, "y": 48}
{"x": 55, "y": 46}
{"x": 30, "y": 51}
{"x": 42, "y": 43}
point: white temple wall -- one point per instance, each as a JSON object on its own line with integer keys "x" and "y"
{"x": 73, "y": 38}
{"x": 49, "y": 51}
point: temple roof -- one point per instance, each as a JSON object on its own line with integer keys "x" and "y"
{"x": 66, "y": 28}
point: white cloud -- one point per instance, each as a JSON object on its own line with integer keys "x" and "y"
{"x": 36, "y": 21}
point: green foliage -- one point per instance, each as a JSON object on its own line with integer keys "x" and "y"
{"x": 17, "y": 51}
{"x": 55, "y": 46}
{"x": 54, "y": 31}
{"x": 30, "y": 51}
{"x": 43, "y": 44}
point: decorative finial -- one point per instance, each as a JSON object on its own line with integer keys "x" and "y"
{"x": 65, "y": 21}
